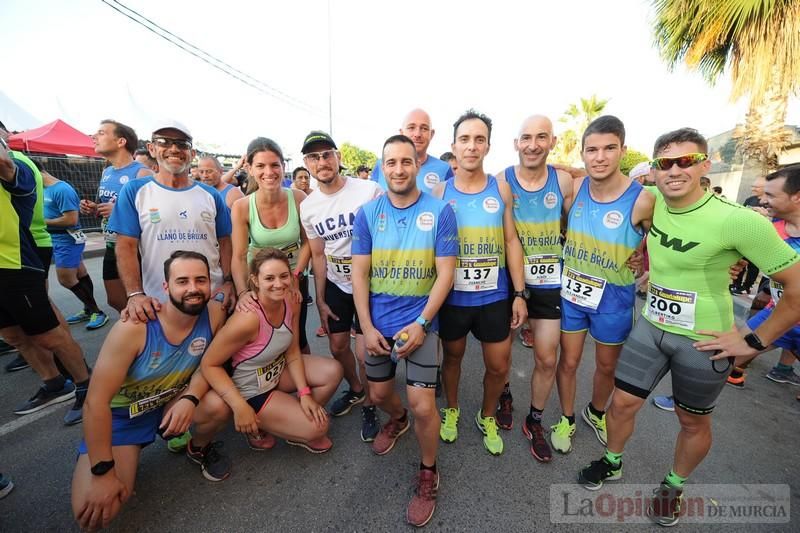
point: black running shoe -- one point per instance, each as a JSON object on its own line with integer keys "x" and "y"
{"x": 215, "y": 465}
{"x": 342, "y": 405}
{"x": 593, "y": 476}
{"x": 44, "y": 397}
{"x": 17, "y": 364}
{"x": 665, "y": 507}
{"x": 370, "y": 425}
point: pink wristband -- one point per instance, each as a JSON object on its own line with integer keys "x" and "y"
{"x": 305, "y": 391}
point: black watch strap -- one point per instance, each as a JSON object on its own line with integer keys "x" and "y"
{"x": 102, "y": 468}
{"x": 754, "y": 342}
{"x": 192, "y": 398}
{"x": 520, "y": 294}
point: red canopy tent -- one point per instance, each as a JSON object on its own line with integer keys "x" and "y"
{"x": 57, "y": 137}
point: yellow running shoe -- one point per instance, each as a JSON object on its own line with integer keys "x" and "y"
{"x": 597, "y": 423}
{"x": 561, "y": 435}
{"x": 491, "y": 439}
{"x": 448, "y": 431}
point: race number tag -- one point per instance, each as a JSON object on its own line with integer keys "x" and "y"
{"x": 109, "y": 236}
{"x": 151, "y": 402}
{"x": 582, "y": 289}
{"x": 671, "y": 307}
{"x": 77, "y": 235}
{"x": 475, "y": 274}
{"x": 341, "y": 267}
{"x": 542, "y": 269}
{"x": 269, "y": 376}
{"x": 291, "y": 251}
{"x": 775, "y": 290}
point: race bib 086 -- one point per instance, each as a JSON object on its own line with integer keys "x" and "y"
{"x": 542, "y": 269}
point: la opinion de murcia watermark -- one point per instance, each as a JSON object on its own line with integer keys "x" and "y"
{"x": 708, "y": 504}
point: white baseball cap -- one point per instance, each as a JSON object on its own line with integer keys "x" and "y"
{"x": 172, "y": 125}
{"x": 642, "y": 169}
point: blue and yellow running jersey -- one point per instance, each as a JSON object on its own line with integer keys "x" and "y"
{"x": 537, "y": 217}
{"x": 481, "y": 276}
{"x": 161, "y": 369}
{"x": 600, "y": 239}
{"x": 404, "y": 244}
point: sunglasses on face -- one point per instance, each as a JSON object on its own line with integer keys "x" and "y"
{"x": 683, "y": 161}
{"x": 316, "y": 156}
{"x": 181, "y": 144}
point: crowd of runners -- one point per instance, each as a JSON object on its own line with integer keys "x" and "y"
{"x": 213, "y": 284}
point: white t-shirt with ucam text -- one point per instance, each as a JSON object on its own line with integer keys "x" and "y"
{"x": 331, "y": 217}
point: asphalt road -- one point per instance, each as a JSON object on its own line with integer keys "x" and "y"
{"x": 350, "y": 489}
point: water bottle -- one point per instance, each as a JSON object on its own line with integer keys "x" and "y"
{"x": 398, "y": 344}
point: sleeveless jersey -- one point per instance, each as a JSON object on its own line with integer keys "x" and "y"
{"x": 481, "y": 276}
{"x": 600, "y": 239}
{"x": 691, "y": 250}
{"x": 162, "y": 370}
{"x": 537, "y": 217}
{"x": 286, "y": 237}
{"x": 258, "y": 365}
{"x": 403, "y": 244}
{"x": 111, "y": 183}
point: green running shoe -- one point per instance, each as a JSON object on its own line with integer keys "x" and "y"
{"x": 81, "y": 316}
{"x": 491, "y": 439}
{"x": 561, "y": 435}
{"x": 178, "y": 444}
{"x": 448, "y": 431}
{"x": 597, "y": 423}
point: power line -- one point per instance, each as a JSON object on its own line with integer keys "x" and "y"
{"x": 204, "y": 56}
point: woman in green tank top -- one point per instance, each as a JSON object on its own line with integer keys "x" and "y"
{"x": 269, "y": 217}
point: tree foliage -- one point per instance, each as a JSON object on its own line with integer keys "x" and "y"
{"x": 575, "y": 120}
{"x": 757, "y": 41}
{"x": 353, "y": 157}
{"x": 631, "y": 159}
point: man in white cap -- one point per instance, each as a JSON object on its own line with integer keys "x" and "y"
{"x": 160, "y": 214}
{"x": 641, "y": 173}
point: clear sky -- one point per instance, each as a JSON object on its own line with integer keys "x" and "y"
{"x": 81, "y": 61}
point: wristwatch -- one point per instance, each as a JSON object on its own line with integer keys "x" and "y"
{"x": 102, "y": 468}
{"x": 192, "y": 398}
{"x": 524, "y": 294}
{"x": 426, "y": 324}
{"x": 754, "y": 342}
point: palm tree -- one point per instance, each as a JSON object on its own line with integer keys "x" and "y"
{"x": 575, "y": 119}
{"x": 758, "y": 41}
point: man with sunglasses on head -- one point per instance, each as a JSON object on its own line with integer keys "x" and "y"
{"x": 117, "y": 143}
{"x": 157, "y": 215}
{"x": 688, "y": 325}
{"x": 328, "y": 216}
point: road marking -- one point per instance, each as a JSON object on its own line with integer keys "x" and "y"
{"x": 24, "y": 420}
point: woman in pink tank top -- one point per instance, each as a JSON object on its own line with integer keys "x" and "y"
{"x": 268, "y": 368}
